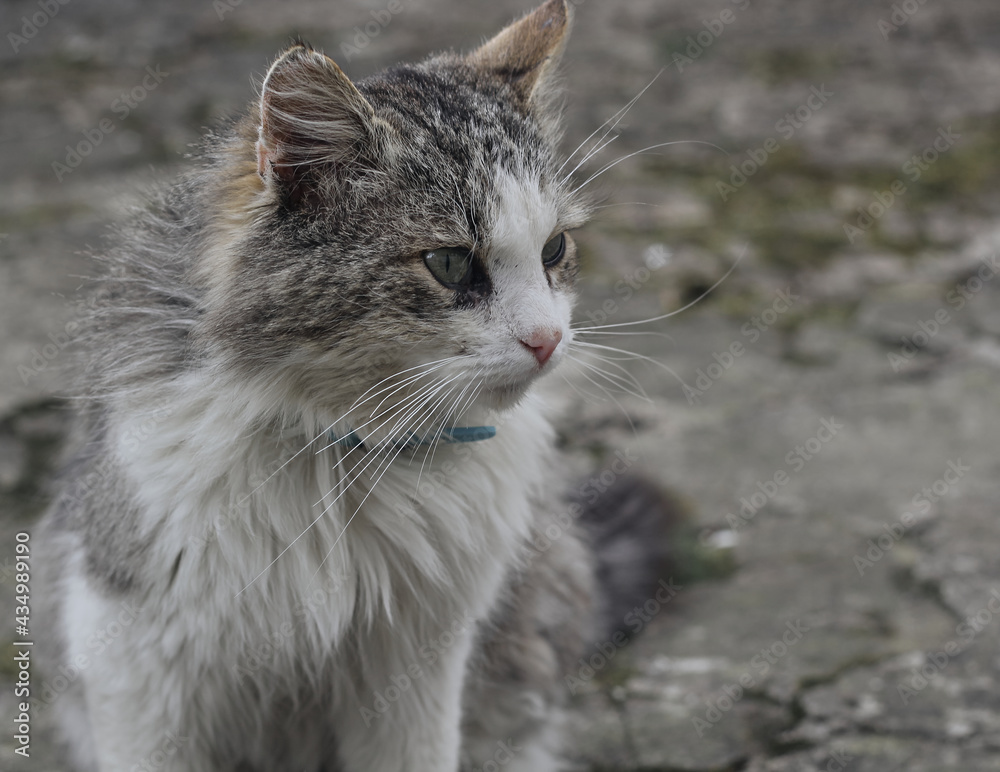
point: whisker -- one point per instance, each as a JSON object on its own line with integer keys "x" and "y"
{"x": 616, "y": 380}
{"x": 452, "y": 414}
{"x": 623, "y": 203}
{"x": 650, "y": 360}
{"x": 610, "y": 395}
{"x": 626, "y": 374}
{"x": 634, "y": 355}
{"x": 350, "y": 520}
{"x": 371, "y": 452}
{"x": 434, "y": 365}
{"x": 460, "y": 411}
{"x": 412, "y": 397}
{"x": 401, "y": 413}
{"x": 677, "y": 311}
{"x": 617, "y": 117}
{"x": 323, "y": 432}
{"x": 613, "y": 164}
{"x": 375, "y": 413}
{"x": 587, "y": 397}
{"x": 593, "y": 331}
{"x": 597, "y": 149}
{"x": 446, "y": 418}
{"x": 428, "y": 414}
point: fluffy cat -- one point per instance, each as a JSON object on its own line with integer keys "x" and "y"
{"x": 272, "y": 552}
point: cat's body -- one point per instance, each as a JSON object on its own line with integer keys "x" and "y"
{"x": 286, "y": 675}
{"x": 240, "y": 588}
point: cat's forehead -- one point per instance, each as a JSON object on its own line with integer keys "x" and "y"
{"x": 460, "y": 148}
{"x": 447, "y": 117}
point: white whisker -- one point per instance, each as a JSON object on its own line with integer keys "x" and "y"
{"x": 427, "y": 414}
{"x": 587, "y": 396}
{"x": 626, "y": 374}
{"x": 677, "y": 311}
{"x": 616, "y": 380}
{"x": 645, "y": 150}
{"x": 610, "y": 395}
{"x": 375, "y": 416}
{"x": 452, "y": 414}
{"x": 593, "y": 331}
{"x": 617, "y": 117}
{"x": 372, "y": 452}
{"x": 597, "y": 149}
{"x": 634, "y": 355}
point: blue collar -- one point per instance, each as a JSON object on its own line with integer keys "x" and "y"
{"x": 452, "y": 434}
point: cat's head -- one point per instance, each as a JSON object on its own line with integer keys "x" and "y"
{"x": 417, "y": 219}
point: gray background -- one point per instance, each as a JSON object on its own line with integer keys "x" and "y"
{"x": 831, "y": 699}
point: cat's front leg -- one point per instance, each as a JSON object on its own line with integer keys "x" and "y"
{"x": 420, "y": 730}
{"x": 131, "y": 733}
{"x": 138, "y": 709}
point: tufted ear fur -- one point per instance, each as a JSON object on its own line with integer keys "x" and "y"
{"x": 312, "y": 120}
{"x": 525, "y": 53}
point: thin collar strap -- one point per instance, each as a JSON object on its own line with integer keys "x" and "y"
{"x": 452, "y": 434}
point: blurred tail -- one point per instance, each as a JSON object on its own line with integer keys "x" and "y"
{"x": 630, "y": 526}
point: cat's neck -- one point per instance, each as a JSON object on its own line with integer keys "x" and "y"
{"x": 224, "y": 476}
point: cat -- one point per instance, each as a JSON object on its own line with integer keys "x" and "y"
{"x": 314, "y": 517}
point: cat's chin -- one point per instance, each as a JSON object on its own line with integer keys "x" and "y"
{"x": 506, "y": 396}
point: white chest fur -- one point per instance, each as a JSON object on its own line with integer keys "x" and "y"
{"x": 248, "y": 538}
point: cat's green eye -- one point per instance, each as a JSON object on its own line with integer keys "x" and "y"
{"x": 554, "y": 250}
{"x": 452, "y": 266}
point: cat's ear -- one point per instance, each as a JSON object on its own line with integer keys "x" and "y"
{"x": 525, "y": 53}
{"x": 311, "y": 117}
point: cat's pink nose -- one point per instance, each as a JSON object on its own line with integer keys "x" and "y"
{"x": 542, "y": 344}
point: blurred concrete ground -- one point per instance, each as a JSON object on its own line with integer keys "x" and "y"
{"x": 836, "y": 439}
